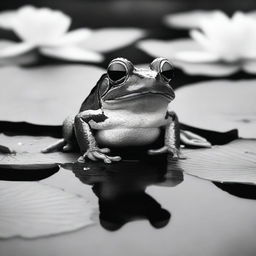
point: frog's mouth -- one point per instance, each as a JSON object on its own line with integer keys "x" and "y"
{"x": 136, "y": 95}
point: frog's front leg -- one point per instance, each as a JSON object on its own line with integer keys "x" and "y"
{"x": 172, "y": 137}
{"x": 85, "y": 138}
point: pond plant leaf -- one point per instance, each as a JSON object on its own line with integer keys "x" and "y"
{"x": 233, "y": 162}
{"x": 45, "y": 95}
{"x": 32, "y": 209}
{"x": 219, "y": 105}
{"x": 28, "y": 153}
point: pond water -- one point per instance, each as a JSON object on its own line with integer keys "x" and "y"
{"x": 146, "y": 208}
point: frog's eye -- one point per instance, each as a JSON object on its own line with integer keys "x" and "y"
{"x": 166, "y": 70}
{"x": 117, "y": 72}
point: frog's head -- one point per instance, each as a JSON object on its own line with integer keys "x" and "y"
{"x": 126, "y": 84}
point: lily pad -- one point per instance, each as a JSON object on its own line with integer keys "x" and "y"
{"x": 30, "y": 209}
{"x": 45, "y": 95}
{"x": 234, "y": 162}
{"x": 28, "y": 153}
{"x": 219, "y": 105}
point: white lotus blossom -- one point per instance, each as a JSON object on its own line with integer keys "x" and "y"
{"x": 225, "y": 39}
{"x": 219, "y": 44}
{"x": 46, "y": 30}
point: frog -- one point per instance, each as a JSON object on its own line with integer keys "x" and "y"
{"x": 128, "y": 106}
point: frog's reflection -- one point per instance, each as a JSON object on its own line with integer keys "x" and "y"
{"x": 120, "y": 188}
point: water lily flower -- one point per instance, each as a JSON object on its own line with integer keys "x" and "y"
{"x": 193, "y": 19}
{"x": 219, "y": 45}
{"x": 47, "y": 31}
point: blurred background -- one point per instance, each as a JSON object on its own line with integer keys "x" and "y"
{"x": 144, "y": 14}
{"x": 122, "y": 13}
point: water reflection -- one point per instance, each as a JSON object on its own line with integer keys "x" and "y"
{"x": 237, "y": 189}
{"x": 121, "y": 189}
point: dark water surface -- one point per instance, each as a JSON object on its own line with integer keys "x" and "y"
{"x": 147, "y": 208}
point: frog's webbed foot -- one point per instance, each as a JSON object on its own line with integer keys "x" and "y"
{"x": 6, "y": 150}
{"x": 97, "y": 154}
{"x": 176, "y": 154}
{"x": 58, "y": 146}
{"x": 192, "y": 139}
{"x": 68, "y": 148}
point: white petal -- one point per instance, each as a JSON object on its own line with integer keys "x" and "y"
{"x": 8, "y": 19}
{"x": 18, "y": 55}
{"x": 71, "y": 53}
{"x": 73, "y": 37}
{"x": 232, "y": 39}
{"x": 196, "y": 57}
{"x": 168, "y": 49}
{"x": 249, "y": 67}
{"x": 202, "y": 40}
{"x": 10, "y": 49}
{"x": 41, "y": 25}
{"x": 252, "y": 14}
{"x": 245, "y": 28}
{"x": 172, "y": 49}
{"x": 191, "y": 19}
{"x": 31, "y": 209}
{"x": 219, "y": 105}
{"x": 104, "y": 40}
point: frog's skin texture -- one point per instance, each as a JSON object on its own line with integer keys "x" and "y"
{"x": 127, "y": 107}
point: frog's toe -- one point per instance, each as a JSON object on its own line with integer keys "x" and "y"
{"x": 158, "y": 151}
{"x": 115, "y": 158}
{"x": 81, "y": 159}
{"x": 176, "y": 154}
{"x": 90, "y": 155}
{"x": 87, "y": 155}
{"x": 99, "y": 155}
{"x": 68, "y": 148}
{"x": 107, "y": 159}
{"x": 55, "y": 147}
{"x": 104, "y": 150}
